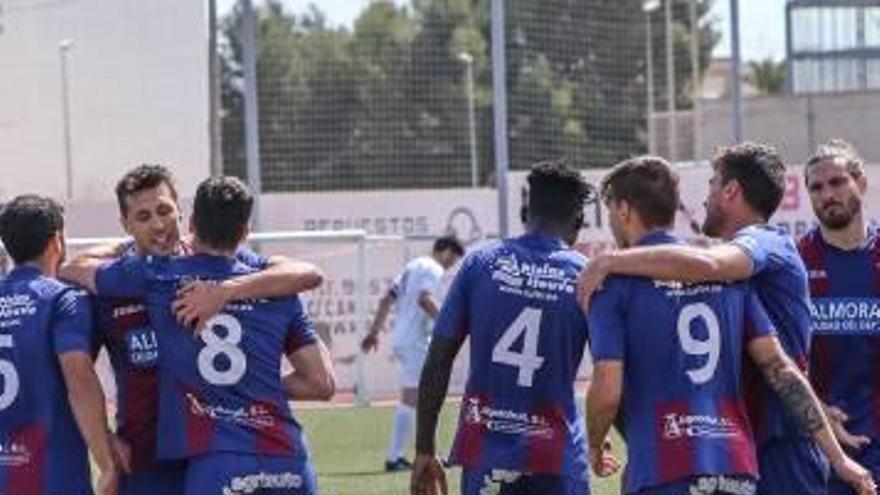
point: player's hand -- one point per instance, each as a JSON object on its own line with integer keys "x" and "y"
{"x": 121, "y": 453}
{"x": 428, "y": 476}
{"x": 837, "y": 418}
{"x": 370, "y": 343}
{"x": 603, "y": 461}
{"x": 197, "y": 302}
{"x": 854, "y": 475}
{"x": 590, "y": 280}
{"x": 107, "y": 482}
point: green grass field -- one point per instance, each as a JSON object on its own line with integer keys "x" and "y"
{"x": 348, "y": 445}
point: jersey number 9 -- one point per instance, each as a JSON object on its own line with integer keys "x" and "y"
{"x": 710, "y": 347}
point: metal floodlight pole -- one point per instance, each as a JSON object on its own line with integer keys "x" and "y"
{"x": 468, "y": 60}
{"x": 649, "y": 7}
{"x": 63, "y": 49}
{"x": 672, "y": 124}
{"x": 695, "y": 75}
{"x": 214, "y": 129}
{"x": 499, "y": 90}
{"x": 735, "y": 73}
{"x": 251, "y": 110}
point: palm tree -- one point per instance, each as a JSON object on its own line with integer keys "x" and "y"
{"x": 768, "y": 76}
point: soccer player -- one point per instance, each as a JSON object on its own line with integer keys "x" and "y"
{"x": 519, "y": 430}
{"x": 671, "y": 353}
{"x": 744, "y": 192}
{"x": 49, "y": 384}
{"x": 150, "y": 214}
{"x": 222, "y": 404}
{"x": 842, "y": 256}
{"x": 414, "y": 295}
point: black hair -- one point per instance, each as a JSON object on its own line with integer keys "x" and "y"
{"x": 27, "y": 223}
{"x": 449, "y": 242}
{"x": 760, "y": 172}
{"x": 221, "y": 211}
{"x": 557, "y": 192}
{"x": 139, "y": 179}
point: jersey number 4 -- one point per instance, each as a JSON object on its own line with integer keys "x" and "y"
{"x": 710, "y": 347}
{"x": 528, "y": 361}
{"x": 216, "y": 346}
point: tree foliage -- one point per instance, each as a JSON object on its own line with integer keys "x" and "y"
{"x": 384, "y": 103}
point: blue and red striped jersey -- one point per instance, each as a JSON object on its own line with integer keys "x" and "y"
{"x": 516, "y": 302}
{"x": 681, "y": 345}
{"x": 125, "y": 331}
{"x": 219, "y": 390}
{"x": 845, "y": 356}
{"x": 41, "y": 449}
{"x": 780, "y": 280}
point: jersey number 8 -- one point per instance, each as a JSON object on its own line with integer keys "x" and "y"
{"x": 216, "y": 346}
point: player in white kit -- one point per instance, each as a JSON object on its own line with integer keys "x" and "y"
{"x": 416, "y": 304}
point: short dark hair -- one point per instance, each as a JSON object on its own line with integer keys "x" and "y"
{"x": 837, "y": 149}
{"x": 221, "y": 211}
{"x": 141, "y": 178}
{"x": 649, "y": 185}
{"x": 449, "y": 242}
{"x": 557, "y": 191}
{"x": 760, "y": 172}
{"x": 26, "y": 225}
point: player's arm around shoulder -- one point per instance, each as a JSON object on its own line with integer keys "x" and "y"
{"x": 275, "y": 276}
{"x": 721, "y": 262}
{"x": 796, "y": 394}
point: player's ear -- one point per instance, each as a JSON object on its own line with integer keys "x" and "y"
{"x": 862, "y": 183}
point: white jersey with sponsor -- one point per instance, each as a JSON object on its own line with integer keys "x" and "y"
{"x": 412, "y": 325}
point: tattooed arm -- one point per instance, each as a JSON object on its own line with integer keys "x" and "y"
{"x": 795, "y": 392}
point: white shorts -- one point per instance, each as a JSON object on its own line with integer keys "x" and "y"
{"x": 409, "y": 365}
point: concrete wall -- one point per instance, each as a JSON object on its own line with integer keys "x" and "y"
{"x": 796, "y": 124}
{"x": 138, "y": 89}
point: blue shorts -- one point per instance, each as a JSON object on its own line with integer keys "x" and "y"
{"x": 792, "y": 466}
{"x": 869, "y": 457}
{"x": 501, "y": 482}
{"x": 705, "y": 485}
{"x": 230, "y": 473}
{"x": 167, "y": 480}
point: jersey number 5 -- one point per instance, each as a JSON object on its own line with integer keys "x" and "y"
{"x": 10, "y": 376}
{"x": 528, "y": 361}
{"x": 710, "y": 347}
{"x": 217, "y": 346}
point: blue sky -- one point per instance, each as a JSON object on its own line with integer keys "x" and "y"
{"x": 762, "y": 22}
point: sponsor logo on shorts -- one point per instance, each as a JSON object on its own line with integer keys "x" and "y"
{"x": 708, "y": 485}
{"x": 14, "y": 454}
{"x": 694, "y": 425}
{"x": 492, "y": 483}
{"x": 250, "y": 483}
{"x": 506, "y": 421}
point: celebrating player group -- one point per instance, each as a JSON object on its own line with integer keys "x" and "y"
{"x": 747, "y": 366}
